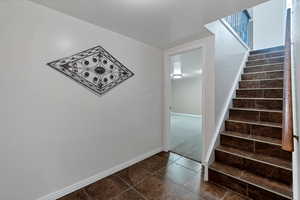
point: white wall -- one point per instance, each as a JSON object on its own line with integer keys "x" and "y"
{"x": 187, "y": 95}
{"x": 187, "y": 91}
{"x": 54, "y": 132}
{"x": 229, "y": 54}
{"x": 269, "y": 24}
{"x": 296, "y": 40}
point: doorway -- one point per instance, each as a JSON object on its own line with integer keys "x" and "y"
{"x": 186, "y": 116}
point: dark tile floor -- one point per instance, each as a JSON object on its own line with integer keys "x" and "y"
{"x": 164, "y": 176}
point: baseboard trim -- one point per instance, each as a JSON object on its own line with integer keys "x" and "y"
{"x": 98, "y": 176}
{"x": 186, "y": 115}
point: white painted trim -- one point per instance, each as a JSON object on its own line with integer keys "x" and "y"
{"x": 233, "y": 32}
{"x": 186, "y": 115}
{"x": 225, "y": 109}
{"x": 208, "y": 65}
{"x": 98, "y": 176}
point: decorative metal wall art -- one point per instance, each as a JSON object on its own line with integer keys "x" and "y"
{"x": 95, "y": 68}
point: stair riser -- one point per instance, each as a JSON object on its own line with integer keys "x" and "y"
{"x": 244, "y": 188}
{"x": 257, "y": 130}
{"x": 267, "y": 93}
{"x": 263, "y": 68}
{"x": 255, "y": 147}
{"x": 264, "y": 75}
{"x": 258, "y": 104}
{"x": 269, "y": 50}
{"x": 258, "y": 168}
{"x": 228, "y": 182}
{"x": 255, "y": 116}
{"x": 262, "y": 84}
{"x": 265, "y": 61}
{"x": 267, "y": 55}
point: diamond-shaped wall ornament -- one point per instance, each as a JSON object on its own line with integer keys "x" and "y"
{"x": 95, "y": 68}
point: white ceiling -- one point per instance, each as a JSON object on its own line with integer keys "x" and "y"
{"x": 160, "y": 23}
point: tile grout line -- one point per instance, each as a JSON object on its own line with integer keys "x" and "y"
{"x": 142, "y": 195}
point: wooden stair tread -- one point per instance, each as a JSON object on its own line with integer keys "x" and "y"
{"x": 252, "y": 179}
{"x": 262, "y": 139}
{"x": 270, "y": 124}
{"x": 277, "y": 162}
{"x": 270, "y": 58}
{"x": 256, "y": 110}
{"x": 273, "y": 79}
{"x": 263, "y": 65}
{"x": 262, "y": 72}
{"x": 258, "y": 98}
{"x": 272, "y": 52}
{"x": 260, "y": 89}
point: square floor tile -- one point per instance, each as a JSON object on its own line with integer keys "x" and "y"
{"x": 129, "y": 195}
{"x": 107, "y": 188}
{"x": 134, "y": 174}
{"x": 77, "y": 195}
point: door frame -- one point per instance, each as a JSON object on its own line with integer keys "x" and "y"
{"x": 207, "y": 46}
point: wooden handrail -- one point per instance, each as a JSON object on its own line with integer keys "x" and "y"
{"x": 287, "y": 120}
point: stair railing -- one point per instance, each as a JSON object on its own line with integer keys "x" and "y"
{"x": 241, "y": 23}
{"x": 287, "y": 120}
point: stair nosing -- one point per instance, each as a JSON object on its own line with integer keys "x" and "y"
{"x": 247, "y": 138}
{"x": 250, "y": 55}
{"x": 261, "y": 72}
{"x": 274, "y": 79}
{"x": 267, "y": 58}
{"x": 256, "y": 110}
{"x": 253, "y": 159}
{"x": 249, "y": 66}
{"x": 248, "y": 182}
{"x": 255, "y": 123}
{"x": 260, "y": 89}
{"x": 257, "y": 98}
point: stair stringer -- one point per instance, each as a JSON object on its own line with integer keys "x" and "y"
{"x": 220, "y": 126}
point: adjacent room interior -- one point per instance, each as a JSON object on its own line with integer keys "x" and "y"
{"x": 186, "y": 108}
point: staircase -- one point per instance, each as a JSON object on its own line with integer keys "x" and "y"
{"x": 249, "y": 159}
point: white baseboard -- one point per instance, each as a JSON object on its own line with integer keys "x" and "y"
{"x": 186, "y": 115}
{"x": 98, "y": 176}
{"x": 225, "y": 111}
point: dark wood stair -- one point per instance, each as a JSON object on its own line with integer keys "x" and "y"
{"x": 249, "y": 159}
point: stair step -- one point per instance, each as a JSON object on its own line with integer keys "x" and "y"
{"x": 255, "y": 146}
{"x": 263, "y": 83}
{"x": 262, "y": 68}
{"x": 276, "y": 74}
{"x": 262, "y": 139}
{"x": 273, "y": 161}
{"x": 260, "y": 123}
{"x": 260, "y": 92}
{"x": 266, "y": 55}
{"x": 265, "y": 61}
{"x": 258, "y": 103}
{"x": 260, "y": 130}
{"x": 255, "y": 114}
{"x": 267, "y": 50}
{"x": 248, "y": 183}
